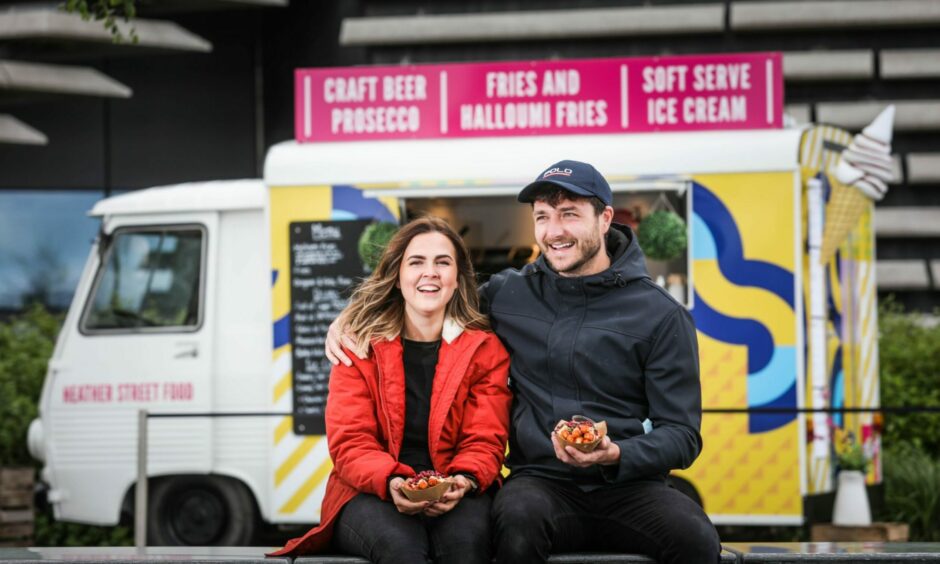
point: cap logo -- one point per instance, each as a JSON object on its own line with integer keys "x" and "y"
{"x": 557, "y": 172}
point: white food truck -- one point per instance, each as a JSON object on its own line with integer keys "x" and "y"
{"x": 210, "y": 300}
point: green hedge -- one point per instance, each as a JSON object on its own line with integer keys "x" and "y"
{"x": 909, "y": 349}
{"x": 50, "y": 532}
{"x": 26, "y": 343}
{"x": 910, "y": 375}
{"x": 912, "y": 490}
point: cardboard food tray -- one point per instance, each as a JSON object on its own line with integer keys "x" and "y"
{"x": 601, "y": 427}
{"x": 432, "y": 493}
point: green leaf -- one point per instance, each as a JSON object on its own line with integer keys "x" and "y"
{"x": 912, "y": 490}
{"x": 107, "y": 12}
{"x": 374, "y": 239}
{"x": 909, "y": 351}
{"x": 662, "y": 235}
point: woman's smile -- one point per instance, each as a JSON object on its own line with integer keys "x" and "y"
{"x": 428, "y": 274}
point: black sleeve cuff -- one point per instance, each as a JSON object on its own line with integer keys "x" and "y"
{"x": 474, "y": 483}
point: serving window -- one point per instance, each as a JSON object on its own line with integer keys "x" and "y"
{"x": 498, "y": 230}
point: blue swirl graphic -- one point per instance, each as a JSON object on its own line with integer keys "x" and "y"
{"x": 759, "y": 341}
{"x": 349, "y": 203}
{"x": 282, "y": 332}
{"x": 771, "y": 382}
{"x": 835, "y": 316}
{"x": 837, "y": 386}
{"x": 761, "y": 422}
{"x": 704, "y": 247}
{"x": 771, "y": 379}
{"x": 731, "y": 261}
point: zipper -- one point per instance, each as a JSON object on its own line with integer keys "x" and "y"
{"x": 574, "y": 341}
{"x": 382, "y": 403}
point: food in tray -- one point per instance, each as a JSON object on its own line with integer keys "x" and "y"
{"x": 426, "y": 486}
{"x": 581, "y": 433}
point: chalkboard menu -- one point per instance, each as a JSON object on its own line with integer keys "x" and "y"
{"x": 324, "y": 264}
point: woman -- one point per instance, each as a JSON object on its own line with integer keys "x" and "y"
{"x": 432, "y": 395}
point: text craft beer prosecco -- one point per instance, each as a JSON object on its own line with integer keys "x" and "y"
{"x": 390, "y": 116}
{"x": 626, "y": 95}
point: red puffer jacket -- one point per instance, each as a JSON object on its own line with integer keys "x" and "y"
{"x": 468, "y": 423}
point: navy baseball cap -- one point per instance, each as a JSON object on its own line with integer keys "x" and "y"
{"x": 576, "y": 177}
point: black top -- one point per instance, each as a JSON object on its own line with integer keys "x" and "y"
{"x": 420, "y": 360}
{"x": 612, "y": 346}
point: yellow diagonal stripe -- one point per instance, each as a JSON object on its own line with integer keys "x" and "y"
{"x": 282, "y": 429}
{"x": 294, "y": 502}
{"x": 294, "y": 459}
{"x": 281, "y": 387}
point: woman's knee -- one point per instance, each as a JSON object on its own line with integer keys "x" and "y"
{"x": 373, "y": 529}
{"x": 391, "y": 546}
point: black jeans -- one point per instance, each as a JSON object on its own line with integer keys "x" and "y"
{"x": 374, "y": 529}
{"x": 535, "y": 517}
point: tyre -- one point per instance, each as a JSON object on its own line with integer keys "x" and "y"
{"x": 200, "y": 511}
{"x": 685, "y": 487}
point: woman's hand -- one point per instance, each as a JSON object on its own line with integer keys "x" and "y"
{"x": 402, "y": 503}
{"x": 451, "y": 498}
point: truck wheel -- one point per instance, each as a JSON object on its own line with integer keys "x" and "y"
{"x": 200, "y": 511}
{"x": 685, "y": 487}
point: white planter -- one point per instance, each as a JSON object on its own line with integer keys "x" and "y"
{"x": 851, "y": 507}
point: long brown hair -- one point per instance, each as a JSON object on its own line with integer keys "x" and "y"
{"x": 377, "y": 308}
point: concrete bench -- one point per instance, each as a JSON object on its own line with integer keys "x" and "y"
{"x": 766, "y": 553}
{"x": 831, "y": 552}
{"x": 581, "y": 558}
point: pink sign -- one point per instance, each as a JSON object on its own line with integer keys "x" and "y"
{"x": 629, "y": 95}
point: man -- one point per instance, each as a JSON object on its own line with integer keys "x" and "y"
{"x": 589, "y": 334}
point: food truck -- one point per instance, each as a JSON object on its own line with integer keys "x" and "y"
{"x": 207, "y": 304}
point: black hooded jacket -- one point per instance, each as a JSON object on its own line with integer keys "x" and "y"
{"x": 612, "y": 346}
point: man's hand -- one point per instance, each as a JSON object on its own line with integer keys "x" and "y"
{"x": 336, "y": 337}
{"x": 449, "y": 500}
{"x": 402, "y": 503}
{"x": 607, "y": 453}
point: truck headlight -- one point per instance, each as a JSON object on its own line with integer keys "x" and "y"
{"x": 36, "y": 441}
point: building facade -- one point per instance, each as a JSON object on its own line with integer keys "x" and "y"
{"x": 209, "y": 87}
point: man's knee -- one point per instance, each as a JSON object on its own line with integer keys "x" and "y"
{"x": 523, "y": 525}
{"x": 522, "y": 502}
{"x": 467, "y": 526}
{"x": 513, "y": 511}
{"x": 695, "y": 541}
{"x": 519, "y": 548}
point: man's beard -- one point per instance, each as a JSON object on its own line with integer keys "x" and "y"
{"x": 591, "y": 248}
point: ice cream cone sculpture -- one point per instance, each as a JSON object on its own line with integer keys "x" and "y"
{"x": 861, "y": 177}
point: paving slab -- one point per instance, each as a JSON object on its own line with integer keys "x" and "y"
{"x": 131, "y": 555}
{"x": 842, "y": 552}
{"x": 766, "y": 553}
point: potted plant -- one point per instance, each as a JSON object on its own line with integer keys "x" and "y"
{"x": 852, "y": 460}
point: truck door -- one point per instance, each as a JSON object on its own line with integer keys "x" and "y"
{"x": 140, "y": 337}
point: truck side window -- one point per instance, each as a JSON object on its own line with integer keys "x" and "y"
{"x": 149, "y": 278}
